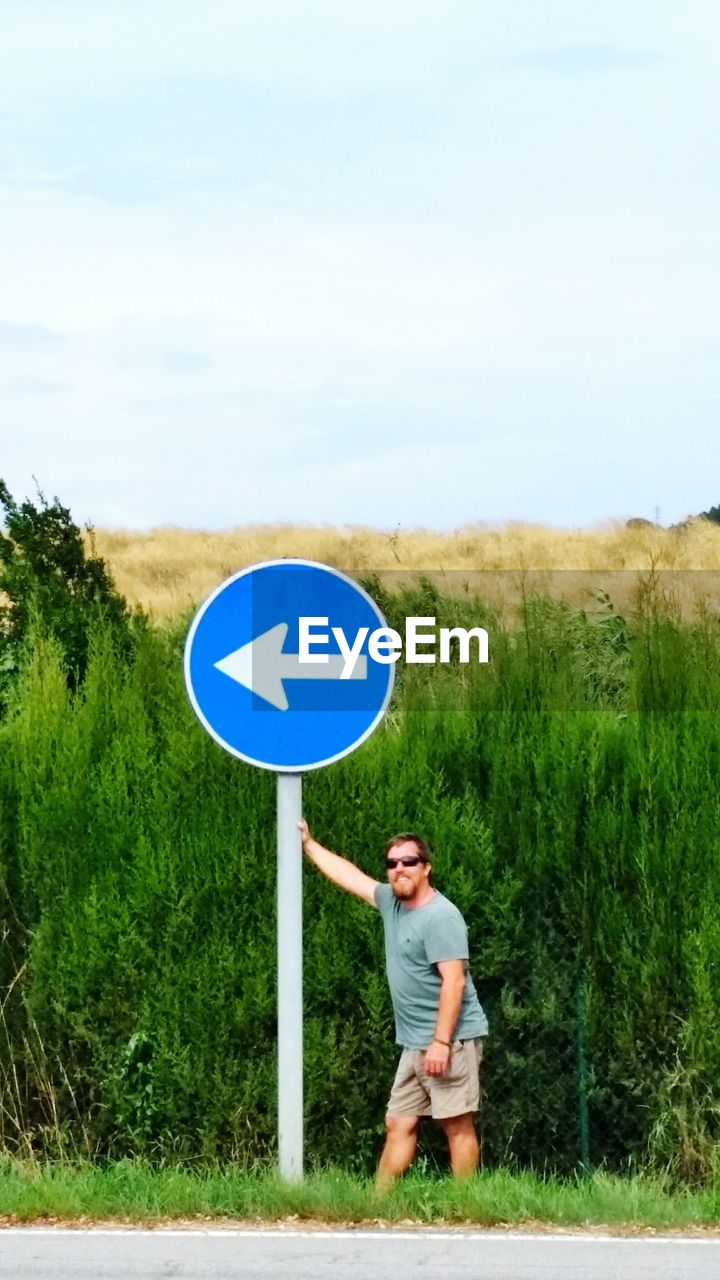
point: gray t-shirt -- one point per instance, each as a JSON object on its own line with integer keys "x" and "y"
{"x": 416, "y": 938}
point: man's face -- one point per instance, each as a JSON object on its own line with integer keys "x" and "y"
{"x": 406, "y": 882}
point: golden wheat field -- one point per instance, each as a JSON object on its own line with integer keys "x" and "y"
{"x": 169, "y": 570}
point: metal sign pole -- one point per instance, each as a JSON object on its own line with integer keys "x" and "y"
{"x": 290, "y": 958}
{"x": 246, "y": 645}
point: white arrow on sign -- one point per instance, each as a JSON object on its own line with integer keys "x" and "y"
{"x": 261, "y": 666}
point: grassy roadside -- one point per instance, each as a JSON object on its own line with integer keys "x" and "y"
{"x": 130, "y": 1191}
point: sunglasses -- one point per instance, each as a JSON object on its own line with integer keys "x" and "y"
{"x": 392, "y": 863}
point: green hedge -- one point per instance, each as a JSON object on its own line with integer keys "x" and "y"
{"x": 570, "y": 791}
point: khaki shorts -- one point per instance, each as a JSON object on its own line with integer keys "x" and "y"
{"x": 455, "y": 1092}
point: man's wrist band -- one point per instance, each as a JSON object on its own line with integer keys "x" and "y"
{"x": 445, "y": 1042}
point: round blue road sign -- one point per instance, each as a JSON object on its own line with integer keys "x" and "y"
{"x": 278, "y": 666}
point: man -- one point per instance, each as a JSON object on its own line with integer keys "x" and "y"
{"x": 439, "y": 1021}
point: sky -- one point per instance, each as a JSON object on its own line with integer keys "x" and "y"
{"x": 392, "y": 263}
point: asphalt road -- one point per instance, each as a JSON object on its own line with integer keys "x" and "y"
{"x": 46, "y": 1253}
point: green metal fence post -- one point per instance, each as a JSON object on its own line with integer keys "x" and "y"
{"x": 582, "y": 1079}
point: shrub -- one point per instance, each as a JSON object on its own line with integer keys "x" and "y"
{"x": 47, "y": 577}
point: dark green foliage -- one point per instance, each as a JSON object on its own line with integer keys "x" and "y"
{"x": 46, "y": 576}
{"x": 713, "y": 514}
{"x": 571, "y": 791}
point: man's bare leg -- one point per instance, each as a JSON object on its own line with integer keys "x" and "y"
{"x": 399, "y": 1149}
{"x": 463, "y": 1143}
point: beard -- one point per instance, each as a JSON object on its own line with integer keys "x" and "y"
{"x": 404, "y": 890}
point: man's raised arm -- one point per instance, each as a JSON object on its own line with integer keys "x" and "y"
{"x": 339, "y": 870}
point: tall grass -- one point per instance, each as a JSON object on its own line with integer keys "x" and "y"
{"x": 572, "y": 793}
{"x": 137, "y": 1192}
{"x": 166, "y": 571}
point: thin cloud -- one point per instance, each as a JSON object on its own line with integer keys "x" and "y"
{"x": 30, "y": 336}
{"x": 581, "y": 60}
